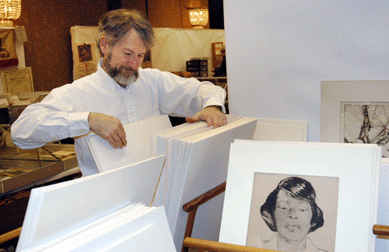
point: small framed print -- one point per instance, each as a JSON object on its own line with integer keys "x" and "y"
{"x": 342, "y": 111}
{"x": 17, "y": 80}
{"x": 365, "y": 122}
{"x": 85, "y": 59}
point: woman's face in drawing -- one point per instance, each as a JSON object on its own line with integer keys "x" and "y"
{"x": 292, "y": 217}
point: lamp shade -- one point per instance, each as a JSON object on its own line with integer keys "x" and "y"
{"x": 198, "y": 17}
{"x": 10, "y": 9}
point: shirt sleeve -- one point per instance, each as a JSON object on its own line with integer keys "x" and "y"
{"x": 51, "y": 120}
{"x": 187, "y": 96}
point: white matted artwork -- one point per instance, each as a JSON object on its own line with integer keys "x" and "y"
{"x": 306, "y": 195}
{"x": 329, "y": 167}
{"x": 365, "y": 122}
{"x": 333, "y": 93}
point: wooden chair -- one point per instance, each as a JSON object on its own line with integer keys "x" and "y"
{"x": 382, "y": 231}
{"x": 191, "y": 208}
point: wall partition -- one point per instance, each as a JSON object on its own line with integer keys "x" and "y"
{"x": 278, "y": 52}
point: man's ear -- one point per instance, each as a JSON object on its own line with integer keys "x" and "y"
{"x": 104, "y": 45}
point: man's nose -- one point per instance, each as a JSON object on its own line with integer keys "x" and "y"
{"x": 134, "y": 63}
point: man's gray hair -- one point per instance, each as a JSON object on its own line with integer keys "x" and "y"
{"x": 115, "y": 24}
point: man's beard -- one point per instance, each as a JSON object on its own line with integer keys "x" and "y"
{"x": 122, "y": 74}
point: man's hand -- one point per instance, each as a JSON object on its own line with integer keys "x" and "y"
{"x": 212, "y": 115}
{"x": 109, "y": 128}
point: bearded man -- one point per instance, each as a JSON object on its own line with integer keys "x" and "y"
{"x": 119, "y": 93}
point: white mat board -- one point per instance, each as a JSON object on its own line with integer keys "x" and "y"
{"x": 353, "y": 231}
{"x": 59, "y": 208}
{"x": 138, "y": 144}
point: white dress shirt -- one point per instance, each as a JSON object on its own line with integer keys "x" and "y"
{"x": 64, "y": 112}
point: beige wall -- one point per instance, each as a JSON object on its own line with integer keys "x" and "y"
{"x": 47, "y": 23}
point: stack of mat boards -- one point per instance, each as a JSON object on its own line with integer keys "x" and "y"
{"x": 196, "y": 161}
{"x": 138, "y": 144}
{"x": 104, "y": 212}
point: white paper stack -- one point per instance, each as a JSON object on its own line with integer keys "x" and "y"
{"x": 349, "y": 205}
{"x": 102, "y": 212}
{"x": 196, "y": 161}
{"x": 138, "y": 148}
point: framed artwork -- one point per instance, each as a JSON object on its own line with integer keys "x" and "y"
{"x": 8, "y": 56}
{"x": 17, "y": 80}
{"x": 283, "y": 194}
{"x": 85, "y": 52}
{"x": 85, "y": 60}
{"x": 343, "y": 114}
{"x": 365, "y": 122}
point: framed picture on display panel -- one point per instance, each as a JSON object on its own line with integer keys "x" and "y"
{"x": 342, "y": 112}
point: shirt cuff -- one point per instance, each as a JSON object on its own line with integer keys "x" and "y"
{"x": 80, "y": 125}
{"x": 215, "y": 102}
